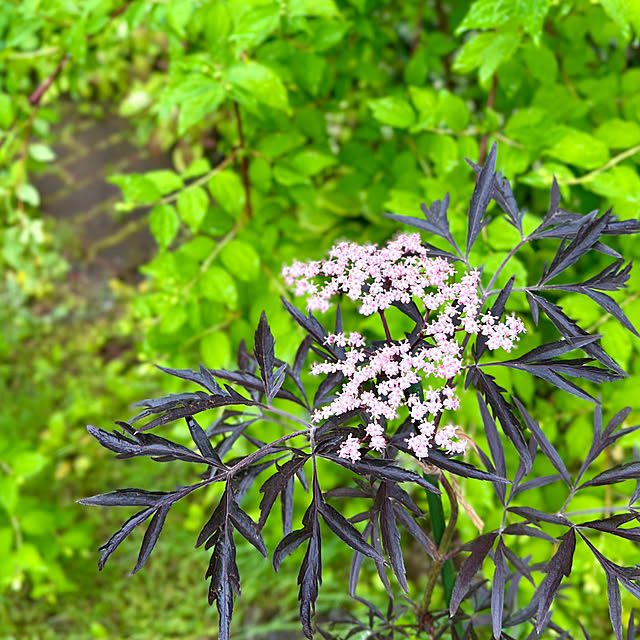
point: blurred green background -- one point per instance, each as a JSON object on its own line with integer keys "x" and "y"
{"x": 178, "y": 153}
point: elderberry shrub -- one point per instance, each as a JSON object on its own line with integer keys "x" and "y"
{"x": 378, "y": 411}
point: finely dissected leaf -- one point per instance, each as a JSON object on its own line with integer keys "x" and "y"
{"x": 481, "y": 197}
{"x": 346, "y": 531}
{"x": 534, "y": 515}
{"x": 497, "y": 590}
{"x": 391, "y": 535}
{"x": 555, "y": 349}
{"x": 503, "y": 411}
{"x": 522, "y": 529}
{"x": 310, "y": 577}
{"x": 619, "y": 473}
{"x": 521, "y": 564}
{"x": 202, "y": 377}
{"x": 265, "y": 355}
{"x": 311, "y": 325}
{"x": 246, "y": 527}
{"x": 288, "y": 545}
{"x": 328, "y": 384}
{"x": 536, "y": 483}
{"x": 382, "y": 470}
{"x": 613, "y": 523}
{"x": 415, "y": 531}
{"x": 559, "y": 566}
{"x": 585, "y": 238}
{"x": 276, "y": 484}
{"x": 112, "y": 544}
{"x": 569, "y": 329}
{"x": 615, "y": 604}
{"x": 144, "y": 445}
{"x": 462, "y": 469}
{"x": 495, "y": 446}
{"x": 127, "y": 498}
{"x": 286, "y": 510}
{"x": 203, "y": 443}
{"x": 436, "y": 220}
{"x": 225, "y": 579}
{"x": 151, "y": 536}
{"x": 479, "y": 548}
{"x": 543, "y": 442}
{"x": 253, "y": 383}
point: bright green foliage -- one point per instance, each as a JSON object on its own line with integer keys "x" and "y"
{"x": 324, "y": 114}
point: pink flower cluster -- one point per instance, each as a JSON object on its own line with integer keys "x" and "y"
{"x": 378, "y": 380}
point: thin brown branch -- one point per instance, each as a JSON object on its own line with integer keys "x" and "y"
{"x": 491, "y": 100}
{"x": 36, "y": 96}
{"x": 415, "y": 40}
{"x": 443, "y": 27}
{"x": 244, "y": 163}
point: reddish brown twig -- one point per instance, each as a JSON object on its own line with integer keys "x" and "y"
{"x": 36, "y": 96}
{"x": 244, "y": 163}
{"x": 443, "y": 27}
{"x": 491, "y": 100}
{"x": 415, "y": 41}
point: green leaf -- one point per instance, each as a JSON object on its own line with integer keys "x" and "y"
{"x": 164, "y": 180}
{"x": 260, "y": 174}
{"x": 311, "y": 162}
{"x": 619, "y": 183}
{"x": 215, "y": 349}
{"x": 41, "y": 152}
{"x": 322, "y": 8}
{"x": 394, "y": 111}
{"x": 227, "y": 190}
{"x": 618, "y": 134}
{"x": 241, "y": 260}
{"x": 7, "y": 111}
{"x": 255, "y": 24}
{"x": 259, "y": 82}
{"x": 425, "y": 100}
{"x": 543, "y": 175}
{"x": 288, "y": 175}
{"x": 217, "y": 284}
{"x": 278, "y": 144}
{"x": 621, "y": 12}
{"x": 29, "y": 194}
{"x": 27, "y": 464}
{"x": 531, "y": 15}
{"x": 136, "y": 188}
{"x": 486, "y": 51}
{"x": 204, "y": 98}
{"x": 580, "y": 149}
{"x": 164, "y": 223}
{"x": 192, "y": 206}
{"x": 452, "y": 110}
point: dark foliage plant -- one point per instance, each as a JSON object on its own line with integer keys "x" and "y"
{"x": 480, "y": 592}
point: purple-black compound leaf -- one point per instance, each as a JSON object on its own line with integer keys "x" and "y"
{"x": 309, "y": 579}
{"x": 151, "y": 536}
{"x": 481, "y": 197}
{"x": 497, "y": 590}
{"x": 114, "y": 541}
{"x": 619, "y": 473}
{"x": 613, "y": 523}
{"x": 202, "y": 377}
{"x": 288, "y": 545}
{"x": 346, "y": 531}
{"x": 479, "y": 548}
{"x": 391, "y": 536}
{"x": 276, "y": 484}
{"x": 415, "y": 531}
{"x": 265, "y": 355}
{"x": 246, "y": 527}
{"x": 253, "y": 383}
{"x": 127, "y": 498}
{"x": 495, "y": 446}
{"x": 225, "y": 580}
{"x": 559, "y": 566}
{"x": 383, "y": 470}
{"x": 518, "y": 563}
{"x": 522, "y": 529}
{"x": 328, "y": 384}
{"x": 286, "y": 506}
{"x": 543, "y": 442}
{"x": 203, "y": 443}
{"x": 534, "y": 515}
{"x": 536, "y": 483}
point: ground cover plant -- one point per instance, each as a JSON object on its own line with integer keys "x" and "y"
{"x": 376, "y": 413}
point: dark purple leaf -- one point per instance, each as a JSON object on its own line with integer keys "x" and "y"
{"x": 151, "y": 536}
{"x": 203, "y": 443}
{"x": 462, "y": 469}
{"x": 496, "y": 311}
{"x": 286, "y": 506}
{"x": 481, "y": 197}
{"x": 391, "y": 536}
{"x": 112, "y": 544}
{"x": 518, "y": 563}
{"x": 346, "y": 531}
{"x": 415, "y": 531}
{"x": 559, "y": 566}
{"x": 497, "y": 590}
{"x": 543, "y": 442}
{"x": 246, "y": 527}
{"x": 203, "y": 378}
{"x": 536, "y": 483}
{"x": 253, "y": 383}
{"x": 495, "y": 446}
{"x": 309, "y": 579}
{"x": 534, "y": 515}
{"x": 328, "y": 384}
{"x": 480, "y": 547}
{"x": 288, "y": 545}
{"x": 127, "y": 498}
{"x": 619, "y": 473}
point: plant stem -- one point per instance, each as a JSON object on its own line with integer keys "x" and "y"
{"x": 386, "y": 326}
{"x": 491, "y": 100}
{"x": 614, "y": 161}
